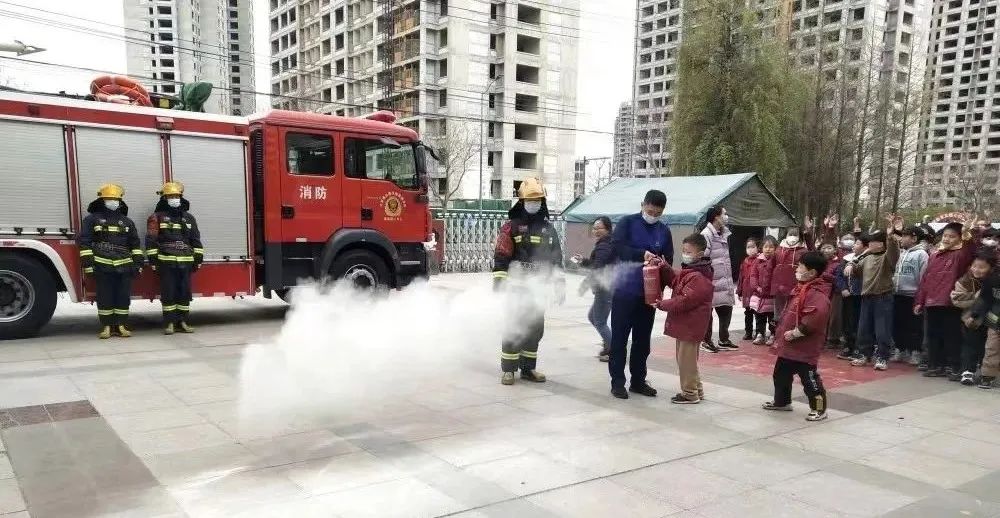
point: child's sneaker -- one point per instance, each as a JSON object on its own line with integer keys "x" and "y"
{"x": 954, "y": 376}
{"x": 709, "y": 347}
{"x": 968, "y": 378}
{"x": 747, "y": 336}
{"x": 681, "y": 399}
{"x": 859, "y": 361}
{"x": 779, "y": 408}
{"x": 816, "y": 416}
{"x": 987, "y": 382}
{"x": 846, "y": 354}
{"x": 923, "y": 365}
{"x": 934, "y": 372}
{"x": 727, "y": 345}
{"x": 881, "y": 365}
{"x": 897, "y": 356}
{"x": 915, "y": 358}
{"x": 770, "y": 340}
{"x": 759, "y": 340}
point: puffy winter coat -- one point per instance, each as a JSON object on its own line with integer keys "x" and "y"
{"x": 744, "y": 286}
{"x": 808, "y": 311}
{"x": 786, "y": 259}
{"x": 689, "y": 308}
{"x": 722, "y": 265}
{"x": 910, "y": 270}
{"x": 109, "y": 241}
{"x": 829, "y": 276}
{"x": 760, "y": 283}
{"x": 943, "y": 269}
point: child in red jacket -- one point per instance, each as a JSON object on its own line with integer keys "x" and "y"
{"x": 744, "y": 290}
{"x": 787, "y": 257}
{"x": 689, "y": 313}
{"x": 760, "y": 291}
{"x": 800, "y": 338}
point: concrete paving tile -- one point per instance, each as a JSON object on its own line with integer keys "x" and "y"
{"x": 154, "y": 420}
{"x": 828, "y": 442}
{"x": 10, "y": 497}
{"x": 234, "y": 491}
{"x": 341, "y": 473}
{"x": 976, "y": 404}
{"x": 875, "y": 477}
{"x": 948, "y": 503}
{"x": 941, "y": 472}
{"x": 201, "y": 463}
{"x": 667, "y": 443}
{"x": 424, "y": 427}
{"x": 603, "y": 422}
{"x": 18, "y": 392}
{"x": 6, "y": 470}
{"x": 979, "y": 430}
{"x": 20, "y": 514}
{"x": 529, "y": 473}
{"x": 22, "y": 353}
{"x": 682, "y": 484}
{"x": 289, "y": 449}
{"x": 74, "y": 349}
{"x": 603, "y": 457}
{"x": 488, "y": 415}
{"x": 28, "y": 415}
{"x": 602, "y": 498}
{"x": 827, "y": 491}
{"x": 464, "y": 488}
{"x": 129, "y": 404}
{"x": 70, "y": 410}
{"x": 78, "y": 362}
{"x": 149, "y": 504}
{"x": 761, "y": 504}
{"x": 760, "y": 463}
{"x": 202, "y": 395}
{"x": 172, "y": 440}
{"x": 759, "y": 423}
{"x": 917, "y": 416}
{"x": 449, "y": 398}
{"x": 155, "y": 356}
{"x": 54, "y": 485}
{"x": 505, "y": 394}
{"x": 984, "y": 487}
{"x": 884, "y": 431}
{"x": 556, "y": 405}
{"x": 471, "y": 448}
{"x": 402, "y": 498}
{"x": 27, "y": 367}
{"x": 192, "y": 381}
{"x": 950, "y": 446}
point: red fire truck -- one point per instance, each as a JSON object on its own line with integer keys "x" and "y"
{"x": 279, "y": 197}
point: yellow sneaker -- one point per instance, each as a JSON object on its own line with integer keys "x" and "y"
{"x": 169, "y": 330}
{"x": 124, "y": 332}
{"x": 105, "y": 333}
{"x": 185, "y": 328}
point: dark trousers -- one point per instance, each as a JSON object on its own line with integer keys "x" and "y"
{"x": 765, "y": 321}
{"x": 749, "y": 318}
{"x": 907, "y": 328}
{"x": 114, "y": 295}
{"x": 630, "y": 315}
{"x": 725, "y": 314}
{"x": 875, "y": 326}
{"x": 785, "y": 371}
{"x": 973, "y": 348}
{"x": 852, "y": 315}
{"x": 520, "y": 343}
{"x": 944, "y": 336}
{"x": 175, "y": 294}
{"x": 600, "y": 310}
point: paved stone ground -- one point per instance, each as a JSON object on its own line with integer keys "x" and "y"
{"x": 147, "y": 427}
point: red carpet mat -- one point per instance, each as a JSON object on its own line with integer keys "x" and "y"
{"x": 758, "y": 360}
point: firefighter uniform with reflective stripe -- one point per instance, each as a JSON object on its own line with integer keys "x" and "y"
{"x": 173, "y": 245}
{"x": 110, "y": 250}
{"x": 527, "y": 252}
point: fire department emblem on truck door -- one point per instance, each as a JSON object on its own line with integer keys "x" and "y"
{"x": 393, "y": 206}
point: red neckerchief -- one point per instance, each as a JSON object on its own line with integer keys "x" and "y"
{"x": 800, "y": 295}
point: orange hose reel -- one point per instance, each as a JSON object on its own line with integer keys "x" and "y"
{"x": 119, "y": 90}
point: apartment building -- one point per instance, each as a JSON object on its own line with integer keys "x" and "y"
{"x": 657, "y": 47}
{"x": 194, "y": 40}
{"x": 460, "y": 72}
{"x": 621, "y": 165}
{"x": 960, "y": 128}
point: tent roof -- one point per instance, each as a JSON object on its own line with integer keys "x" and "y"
{"x": 688, "y": 197}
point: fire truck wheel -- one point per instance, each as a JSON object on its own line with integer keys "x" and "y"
{"x": 27, "y": 296}
{"x": 363, "y": 269}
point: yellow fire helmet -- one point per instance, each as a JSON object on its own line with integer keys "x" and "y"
{"x": 111, "y": 191}
{"x": 531, "y": 189}
{"x": 172, "y": 189}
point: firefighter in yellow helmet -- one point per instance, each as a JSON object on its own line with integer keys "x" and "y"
{"x": 110, "y": 251}
{"x": 173, "y": 244}
{"x": 527, "y": 253}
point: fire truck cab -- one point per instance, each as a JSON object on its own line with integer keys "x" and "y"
{"x": 280, "y": 198}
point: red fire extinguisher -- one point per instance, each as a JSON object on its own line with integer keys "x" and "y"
{"x": 652, "y": 289}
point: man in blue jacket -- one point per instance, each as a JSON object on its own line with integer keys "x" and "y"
{"x": 637, "y": 238}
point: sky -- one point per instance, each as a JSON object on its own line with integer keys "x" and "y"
{"x": 604, "y": 69}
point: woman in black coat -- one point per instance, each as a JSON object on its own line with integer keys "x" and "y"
{"x": 599, "y": 281}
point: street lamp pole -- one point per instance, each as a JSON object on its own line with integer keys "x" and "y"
{"x": 482, "y": 135}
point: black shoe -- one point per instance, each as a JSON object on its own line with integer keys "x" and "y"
{"x": 987, "y": 382}
{"x": 709, "y": 347}
{"x": 954, "y": 376}
{"x": 747, "y": 336}
{"x": 934, "y": 373}
{"x": 727, "y": 345}
{"x": 643, "y": 389}
{"x": 681, "y": 399}
{"x": 604, "y": 355}
{"x": 922, "y": 367}
{"x": 619, "y": 392}
{"x": 846, "y": 354}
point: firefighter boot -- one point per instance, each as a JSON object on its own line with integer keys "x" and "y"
{"x": 105, "y": 333}
{"x": 169, "y": 329}
{"x": 185, "y": 328}
{"x": 532, "y": 375}
{"x": 123, "y": 331}
{"x": 507, "y": 378}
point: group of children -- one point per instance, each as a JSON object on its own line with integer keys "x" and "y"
{"x": 888, "y": 295}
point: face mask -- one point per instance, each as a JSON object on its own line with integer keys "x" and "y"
{"x": 532, "y": 206}
{"x": 687, "y": 259}
{"x": 751, "y": 251}
{"x": 990, "y": 242}
{"x": 174, "y": 202}
{"x": 112, "y": 204}
{"x": 649, "y": 219}
{"x": 792, "y": 240}
{"x": 802, "y": 277}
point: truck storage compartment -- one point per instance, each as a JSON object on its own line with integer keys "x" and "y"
{"x": 213, "y": 171}
{"x": 35, "y": 191}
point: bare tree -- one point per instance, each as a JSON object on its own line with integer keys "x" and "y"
{"x": 455, "y": 149}
{"x": 975, "y": 192}
{"x": 600, "y": 176}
